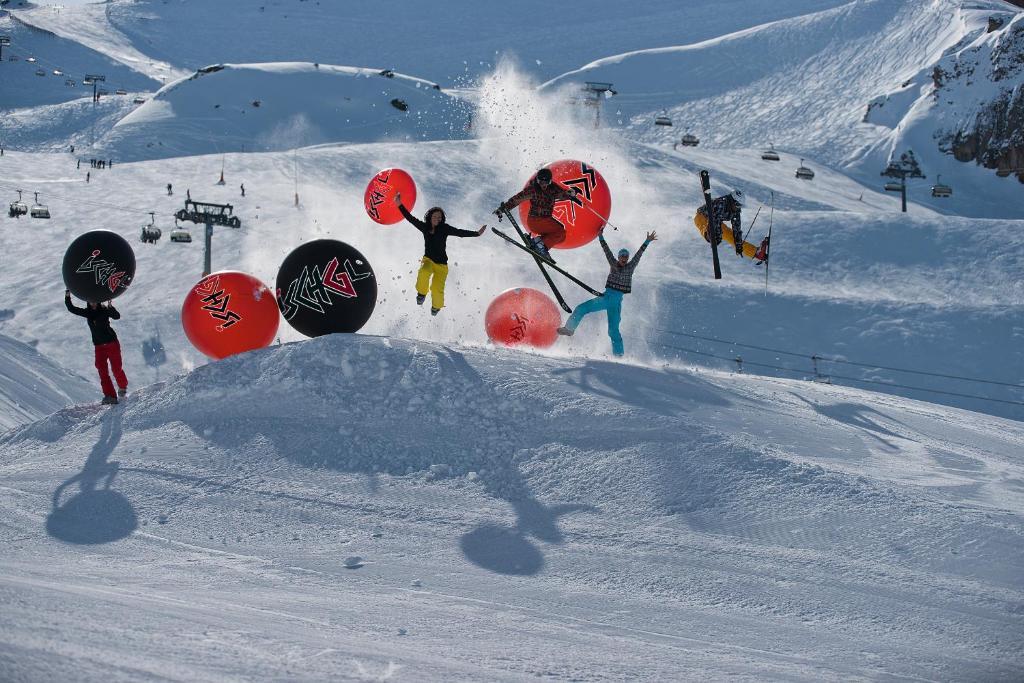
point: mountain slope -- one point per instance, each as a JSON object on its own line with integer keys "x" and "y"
{"x": 623, "y": 521}
{"x": 33, "y": 386}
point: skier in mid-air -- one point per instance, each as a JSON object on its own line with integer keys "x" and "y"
{"x": 434, "y": 267}
{"x": 619, "y": 283}
{"x": 728, "y": 209}
{"x": 107, "y": 348}
{"x": 542, "y": 193}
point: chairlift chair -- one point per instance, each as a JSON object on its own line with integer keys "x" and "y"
{"x": 13, "y": 58}
{"x": 58, "y": 72}
{"x": 39, "y": 210}
{"x": 139, "y": 100}
{"x": 770, "y": 154}
{"x": 40, "y": 72}
{"x": 150, "y": 233}
{"x": 689, "y": 140}
{"x": 70, "y": 82}
{"x": 941, "y": 190}
{"x": 18, "y": 208}
{"x": 804, "y": 173}
{"x": 31, "y": 60}
{"x": 102, "y": 92}
{"x": 180, "y": 235}
{"x": 893, "y": 187}
{"x": 663, "y": 121}
{"x": 120, "y": 91}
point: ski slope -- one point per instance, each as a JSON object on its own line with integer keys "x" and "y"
{"x": 515, "y": 516}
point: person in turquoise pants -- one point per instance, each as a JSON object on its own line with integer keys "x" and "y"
{"x": 619, "y": 283}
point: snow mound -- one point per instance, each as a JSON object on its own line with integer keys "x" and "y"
{"x": 33, "y": 386}
{"x": 283, "y": 105}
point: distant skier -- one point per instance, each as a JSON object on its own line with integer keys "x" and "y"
{"x": 79, "y": 164}
{"x": 87, "y": 174}
{"x": 243, "y": 189}
{"x": 726, "y": 209}
{"x": 619, "y": 283}
{"x": 188, "y": 194}
{"x": 170, "y": 190}
{"x": 107, "y": 348}
{"x": 543, "y": 193}
{"x": 434, "y": 267}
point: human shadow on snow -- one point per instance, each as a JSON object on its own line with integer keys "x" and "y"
{"x": 97, "y": 513}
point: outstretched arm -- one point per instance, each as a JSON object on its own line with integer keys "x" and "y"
{"x": 651, "y": 236}
{"x": 604, "y": 245}
{"x": 458, "y": 232}
{"x": 419, "y": 225}
{"x": 71, "y": 307}
{"x": 516, "y": 199}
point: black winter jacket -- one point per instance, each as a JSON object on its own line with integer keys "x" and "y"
{"x": 434, "y": 242}
{"x": 99, "y": 321}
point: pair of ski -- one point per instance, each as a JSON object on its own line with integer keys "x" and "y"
{"x": 543, "y": 263}
{"x": 705, "y": 186}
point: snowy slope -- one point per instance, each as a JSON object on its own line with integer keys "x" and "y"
{"x": 280, "y": 106}
{"x": 804, "y": 84}
{"x": 33, "y": 386}
{"x": 515, "y": 517}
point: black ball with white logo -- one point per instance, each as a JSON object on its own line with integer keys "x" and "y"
{"x": 326, "y": 286}
{"x": 98, "y": 266}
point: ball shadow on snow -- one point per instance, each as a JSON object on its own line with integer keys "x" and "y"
{"x": 501, "y": 549}
{"x": 97, "y": 513}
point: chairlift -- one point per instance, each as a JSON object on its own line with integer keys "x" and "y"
{"x": 893, "y": 186}
{"x": 769, "y": 154}
{"x": 13, "y": 58}
{"x": 18, "y": 208}
{"x": 179, "y": 234}
{"x": 70, "y": 82}
{"x": 663, "y": 121}
{"x": 804, "y": 173}
{"x": 88, "y": 81}
{"x": 39, "y": 210}
{"x": 688, "y": 140}
{"x": 120, "y": 91}
{"x": 31, "y": 60}
{"x": 139, "y": 100}
{"x": 940, "y": 190}
{"x": 150, "y": 233}
{"x": 40, "y": 72}
{"x": 102, "y": 92}
{"x": 58, "y": 72}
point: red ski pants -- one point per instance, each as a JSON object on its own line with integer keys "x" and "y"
{"x": 110, "y": 353}
{"x": 551, "y": 231}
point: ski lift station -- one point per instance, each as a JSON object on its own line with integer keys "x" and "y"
{"x": 803, "y": 172}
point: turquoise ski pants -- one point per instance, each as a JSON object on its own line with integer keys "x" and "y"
{"x": 611, "y": 302}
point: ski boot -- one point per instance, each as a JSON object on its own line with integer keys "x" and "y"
{"x": 109, "y": 401}
{"x": 761, "y": 255}
{"x": 121, "y": 393}
{"x": 420, "y": 298}
{"x": 538, "y": 246}
{"x": 565, "y": 331}
{"x": 434, "y": 311}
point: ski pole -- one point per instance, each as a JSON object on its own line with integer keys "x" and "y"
{"x": 600, "y": 216}
{"x": 751, "y": 226}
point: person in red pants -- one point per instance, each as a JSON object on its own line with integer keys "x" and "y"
{"x": 108, "y": 349}
{"x": 543, "y": 193}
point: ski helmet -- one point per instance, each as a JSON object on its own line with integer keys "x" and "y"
{"x": 623, "y": 252}
{"x": 737, "y": 196}
{"x": 544, "y": 175}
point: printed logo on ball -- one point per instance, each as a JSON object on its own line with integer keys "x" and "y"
{"x": 104, "y": 272}
{"x": 313, "y": 288}
{"x": 216, "y": 301}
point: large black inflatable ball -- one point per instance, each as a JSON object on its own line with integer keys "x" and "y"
{"x": 98, "y": 266}
{"x": 326, "y": 286}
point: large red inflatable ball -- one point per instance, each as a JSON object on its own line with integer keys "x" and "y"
{"x": 98, "y": 266}
{"x": 522, "y": 316}
{"x": 379, "y": 198}
{"x": 229, "y": 312}
{"x": 584, "y": 216}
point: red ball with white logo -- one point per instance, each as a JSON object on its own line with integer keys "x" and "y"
{"x": 379, "y": 197}
{"x": 522, "y": 316}
{"x": 229, "y": 312}
{"x": 584, "y": 216}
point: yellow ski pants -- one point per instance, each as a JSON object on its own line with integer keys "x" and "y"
{"x": 431, "y": 277}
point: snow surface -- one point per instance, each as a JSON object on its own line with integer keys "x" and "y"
{"x": 515, "y": 516}
{"x": 412, "y": 503}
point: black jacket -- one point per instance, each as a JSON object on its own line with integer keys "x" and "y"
{"x": 99, "y": 321}
{"x": 434, "y": 242}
